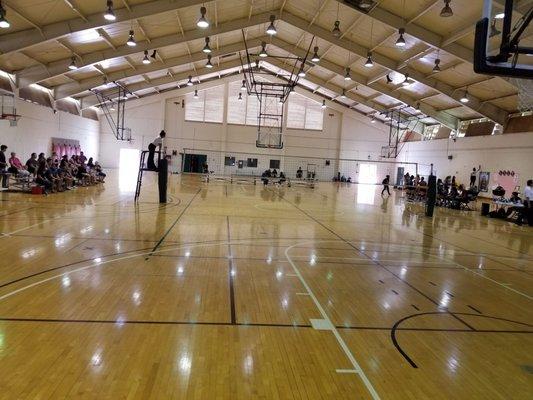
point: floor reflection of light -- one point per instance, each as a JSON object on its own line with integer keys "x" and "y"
{"x": 61, "y": 240}
{"x": 1, "y": 342}
{"x": 366, "y": 194}
{"x": 96, "y": 359}
{"x": 444, "y": 300}
{"x": 329, "y": 276}
{"x": 106, "y": 230}
{"x": 65, "y": 281}
{"x": 279, "y": 274}
{"x": 97, "y": 260}
{"x": 269, "y": 259}
{"x": 180, "y": 270}
{"x": 86, "y": 229}
{"x": 403, "y": 271}
{"x": 453, "y": 363}
{"x": 248, "y": 364}
{"x": 117, "y": 246}
{"x": 312, "y": 260}
{"x": 187, "y": 254}
{"x": 285, "y": 303}
{"x": 197, "y": 299}
{"x": 29, "y": 253}
{"x": 232, "y": 272}
{"x": 386, "y": 306}
{"x": 185, "y": 364}
{"x": 121, "y": 321}
{"x": 136, "y": 297}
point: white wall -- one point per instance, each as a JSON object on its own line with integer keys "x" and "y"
{"x": 38, "y": 125}
{"x": 343, "y": 129}
{"x": 512, "y": 152}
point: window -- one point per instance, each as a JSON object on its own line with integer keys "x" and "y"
{"x": 208, "y": 107}
{"x": 245, "y": 111}
{"x": 229, "y": 161}
{"x": 304, "y": 113}
{"x": 251, "y": 163}
{"x": 274, "y": 164}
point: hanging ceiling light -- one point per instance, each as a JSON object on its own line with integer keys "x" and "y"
{"x": 373, "y": 120}
{"x": 263, "y": 52}
{"x": 446, "y": 10}
{"x": 73, "y": 65}
{"x": 401, "y": 41}
{"x": 196, "y": 94}
{"x": 206, "y": 48}
{"x": 343, "y": 95}
{"x": 323, "y": 104}
{"x": 271, "y": 30}
{"x": 146, "y": 60}
{"x": 301, "y": 74}
{"x": 4, "y": 23}
{"x": 499, "y": 15}
{"x": 336, "y": 29}
{"x": 347, "y": 76}
{"x": 436, "y": 68}
{"x": 110, "y": 14}
{"x": 280, "y": 101}
{"x": 243, "y": 87}
{"x": 406, "y": 81}
{"x": 315, "y": 58}
{"x": 369, "y": 63}
{"x": 131, "y": 40}
{"x": 189, "y": 82}
{"x": 240, "y": 97}
{"x": 208, "y": 64}
{"x": 464, "y": 99}
{"x": 493, "y": 30}
{"x": 202, "y": 21}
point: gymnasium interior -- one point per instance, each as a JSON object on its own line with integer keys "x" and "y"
{"x": 266, "y": 199}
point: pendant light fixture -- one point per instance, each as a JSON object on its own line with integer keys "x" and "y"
{"x": 347, "y": 76}
{"x": 323, "y": 104}
{"x": 315, "y": 57}
{"x": 208, "y": 64}
{"x": 401, "y": 41}
{"x": 196, "y": 94}
{"x": 369, "y": 63}
{"x": 189, "y": 82}
{"x": 263, "y": 52}
{"x": 73, "y": 65}
{"x": 131, "y": 39}
{"x": 146, "y": 60}
{"x": 446, "y": 10}
{"x": 243, "y": 87}
{"x": 336, "y": 26}
{"x": 406, "y": 81}
{"x": 202, "y": 21}
{"x": 240, "y": 97}
{"x": 4, "y": 23}
{"x": 499, "y": 15}
{"x": 343, "y": 95}
{"x": 301, "y": 74}
{"x": 206, "y": 48}
{"x": 110, "y": 14}
{"x": 373, "y": 120}
{"x": 436, "y": 68}
{"x": 280, "y": 102}
{"x": 464, "y": 99}
{"x": 271, "y": 30}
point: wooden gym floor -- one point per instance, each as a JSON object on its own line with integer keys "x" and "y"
{"x": 241, "y": 292}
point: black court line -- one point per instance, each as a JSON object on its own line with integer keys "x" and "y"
{"x": 396, "y": 326}
{"x": 475, "y": 309}
{"x": 149, "y": 322}
{"x": 230, "y": 273}
{"x": 15, "y": 212}
{"x": 176, "y": 221}
{"x": 415, "y": 307}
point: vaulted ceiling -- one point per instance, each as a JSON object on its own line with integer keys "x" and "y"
{"x": 47, "y": 36}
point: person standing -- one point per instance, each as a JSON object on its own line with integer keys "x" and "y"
{"x": 473, "y": 176}
{"x": 3, "y": 165}
{"x": 158, "y": 143}
{"x": 385, "y": 183}
{"x": 527, "y": 210}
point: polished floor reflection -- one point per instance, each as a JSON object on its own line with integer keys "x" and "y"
{"x": 245, "y": 292}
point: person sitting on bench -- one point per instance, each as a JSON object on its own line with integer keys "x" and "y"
{"x": 299, "y": 173}
{"x": 16, "y": 167}
{"x": 156, "y": 144}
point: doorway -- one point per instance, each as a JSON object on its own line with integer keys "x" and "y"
{"x": 194, "y": 163}
{"x": 368, "y": 173}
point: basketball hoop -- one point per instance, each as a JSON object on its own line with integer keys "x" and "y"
{"x": 525, "y": 93}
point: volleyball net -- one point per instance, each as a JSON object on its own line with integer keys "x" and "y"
{"x": 234, "y": 164}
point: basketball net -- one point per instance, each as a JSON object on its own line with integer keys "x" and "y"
{"x": 525, "y": 93}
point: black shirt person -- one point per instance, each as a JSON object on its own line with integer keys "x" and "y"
{"x": 157, "y": 143}
{"x": 385, "y": 183}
